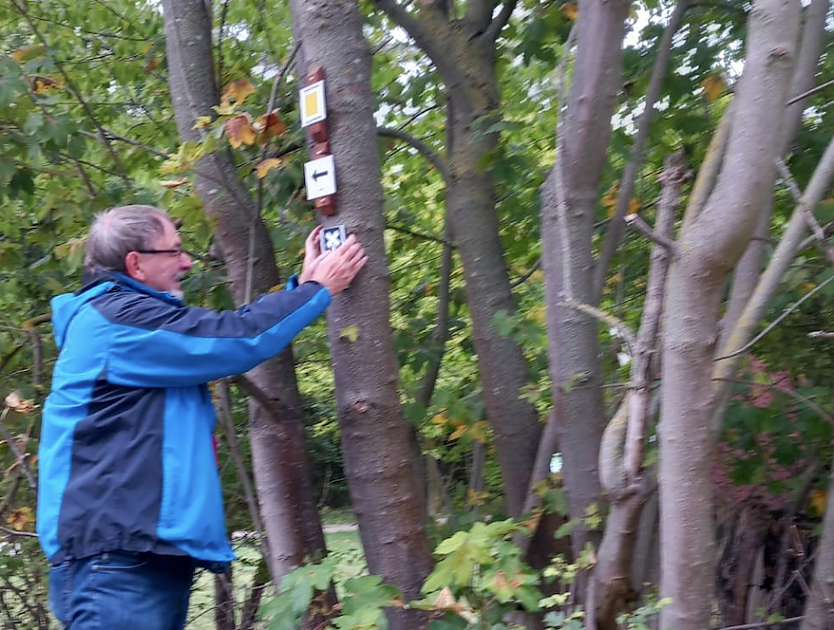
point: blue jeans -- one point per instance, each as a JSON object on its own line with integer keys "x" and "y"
{"x": 122, "y": 591}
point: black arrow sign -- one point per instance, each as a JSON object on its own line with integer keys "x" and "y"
{"x": 316, "y": 175}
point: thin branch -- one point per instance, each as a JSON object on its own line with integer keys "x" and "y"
{"x": 434, "y": 45}
{"x": 224, "y": 14}
{"x": 21, "y": 457}
{"x": 810, "y": 92}
{"x": 776, "y": 322}
{"x": 279, "y": 78}
{"x": 428, "y": 237}
{"x": 420, "y": 146}
{"x": 821, "y": 334}
{"x": 522, "y": 279}
{"x": 607, "y": 318}
{"x": 789, "y": 392}
{"x": 636, "y": 222}
{"x": 500, "y": 20}
{"x": 813, "y": 224}
{"x": 12, "y": 532}
{"x": 225, "y": 406}
{"x": 629, "y": 177}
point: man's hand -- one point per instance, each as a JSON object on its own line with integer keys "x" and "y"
{"x": 312, "y": 255}
{"x": 336, "y": 269}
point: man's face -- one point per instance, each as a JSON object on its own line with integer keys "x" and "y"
{"x": 163, "y": 264}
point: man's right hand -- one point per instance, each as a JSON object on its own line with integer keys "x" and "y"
{"x": 336, "y": 269}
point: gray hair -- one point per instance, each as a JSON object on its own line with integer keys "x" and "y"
{"x": 120, "y": 230}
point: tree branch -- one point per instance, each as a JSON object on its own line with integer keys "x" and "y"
{"x": 636, "y": 222}
{"x": 606, "y": 318}
{"x": 629, "y": 177}
{"x": 810, "y": 92}
{"x": 431, "y": 32}
{"x": 776, "y": 322}
{"x": 422, "y": 148}
{"x": 21, "y": 457}
{"x": 500, "y": 20}
{"x": 225, "y": 407}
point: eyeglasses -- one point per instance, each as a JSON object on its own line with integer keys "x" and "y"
{"x": 179, "y": 251}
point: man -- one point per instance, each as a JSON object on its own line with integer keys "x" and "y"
{"x": 129, "y": 500}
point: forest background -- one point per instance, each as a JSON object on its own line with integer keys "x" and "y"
{"x": 585, "y": 380}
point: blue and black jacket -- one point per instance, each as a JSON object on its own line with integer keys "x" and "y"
{"x": 126, "y": 459}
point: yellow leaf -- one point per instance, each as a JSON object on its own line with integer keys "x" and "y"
{"x": 459, "y": 432}
{"x": 351, "y": 333}
{"x": 173, "y": 183}
{"x": 28, "y": 52}
{"x": 267, "y": 165}
{"x": 634, "y": 205}
{"x": 609, "y": 199}
{"x": 809, "y": 286}
{"x": 439, "y": 419}
{"x": 239, "y": 130}
{"x": 569, "y": 10}
{"x": 238, "y": 90}
{"x": 713, "y": 86}
{"x": 818, "y": 501}
{"x": 202, "y": 122}
{"x": 224, "y": 109}
{"x": 478, "y": 431}
{"x": 150, "y": 65}
{"x": 42, "y": 84}
{"x": 20, "y": 519}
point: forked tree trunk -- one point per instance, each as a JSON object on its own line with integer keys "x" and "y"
{"x": 375, "y": 434}
{"x": 569, "y": 200}
{"x": 709, "y": 246}
{"x": 277, "y": 435}
{"x": 463, "y": 52}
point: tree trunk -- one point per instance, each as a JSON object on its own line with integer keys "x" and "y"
{"x": 375, "y": 434}
{"x": 463, "y": 51}
{"x": 819, "y": 610}
{"x": 749, "y": 268}
{"x": 709, "y": 247}
{"x": 277, "y": 434}
{"x": 624, "y": 443}
{"x": 569, "y": 199}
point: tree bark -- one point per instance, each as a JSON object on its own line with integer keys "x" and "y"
{"x": 707, "y": 250}
{"x": 819, "y": 609}
{"x": 277, "y": 435}
{"x": 749, "y": 268}
{"x": 624, "y": 443}
{"x": 567, "y": 251}
{"x": 374, "y": 431}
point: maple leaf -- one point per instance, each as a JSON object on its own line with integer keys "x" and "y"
{"x": 238, "y": 90}
{"x": 270, "y": 125}
{"x": 570, "y": 11}
{"x": 239, "y": 130}
{"x": 267, "y": 165}
{"x": 202, "y": 121}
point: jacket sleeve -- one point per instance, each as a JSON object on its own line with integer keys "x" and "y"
{"x": 157, "y": 344}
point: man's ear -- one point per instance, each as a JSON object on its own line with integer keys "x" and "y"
{"x": 133, "y": 266}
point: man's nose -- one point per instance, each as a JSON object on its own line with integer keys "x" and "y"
{"x": 185, "y": 262}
